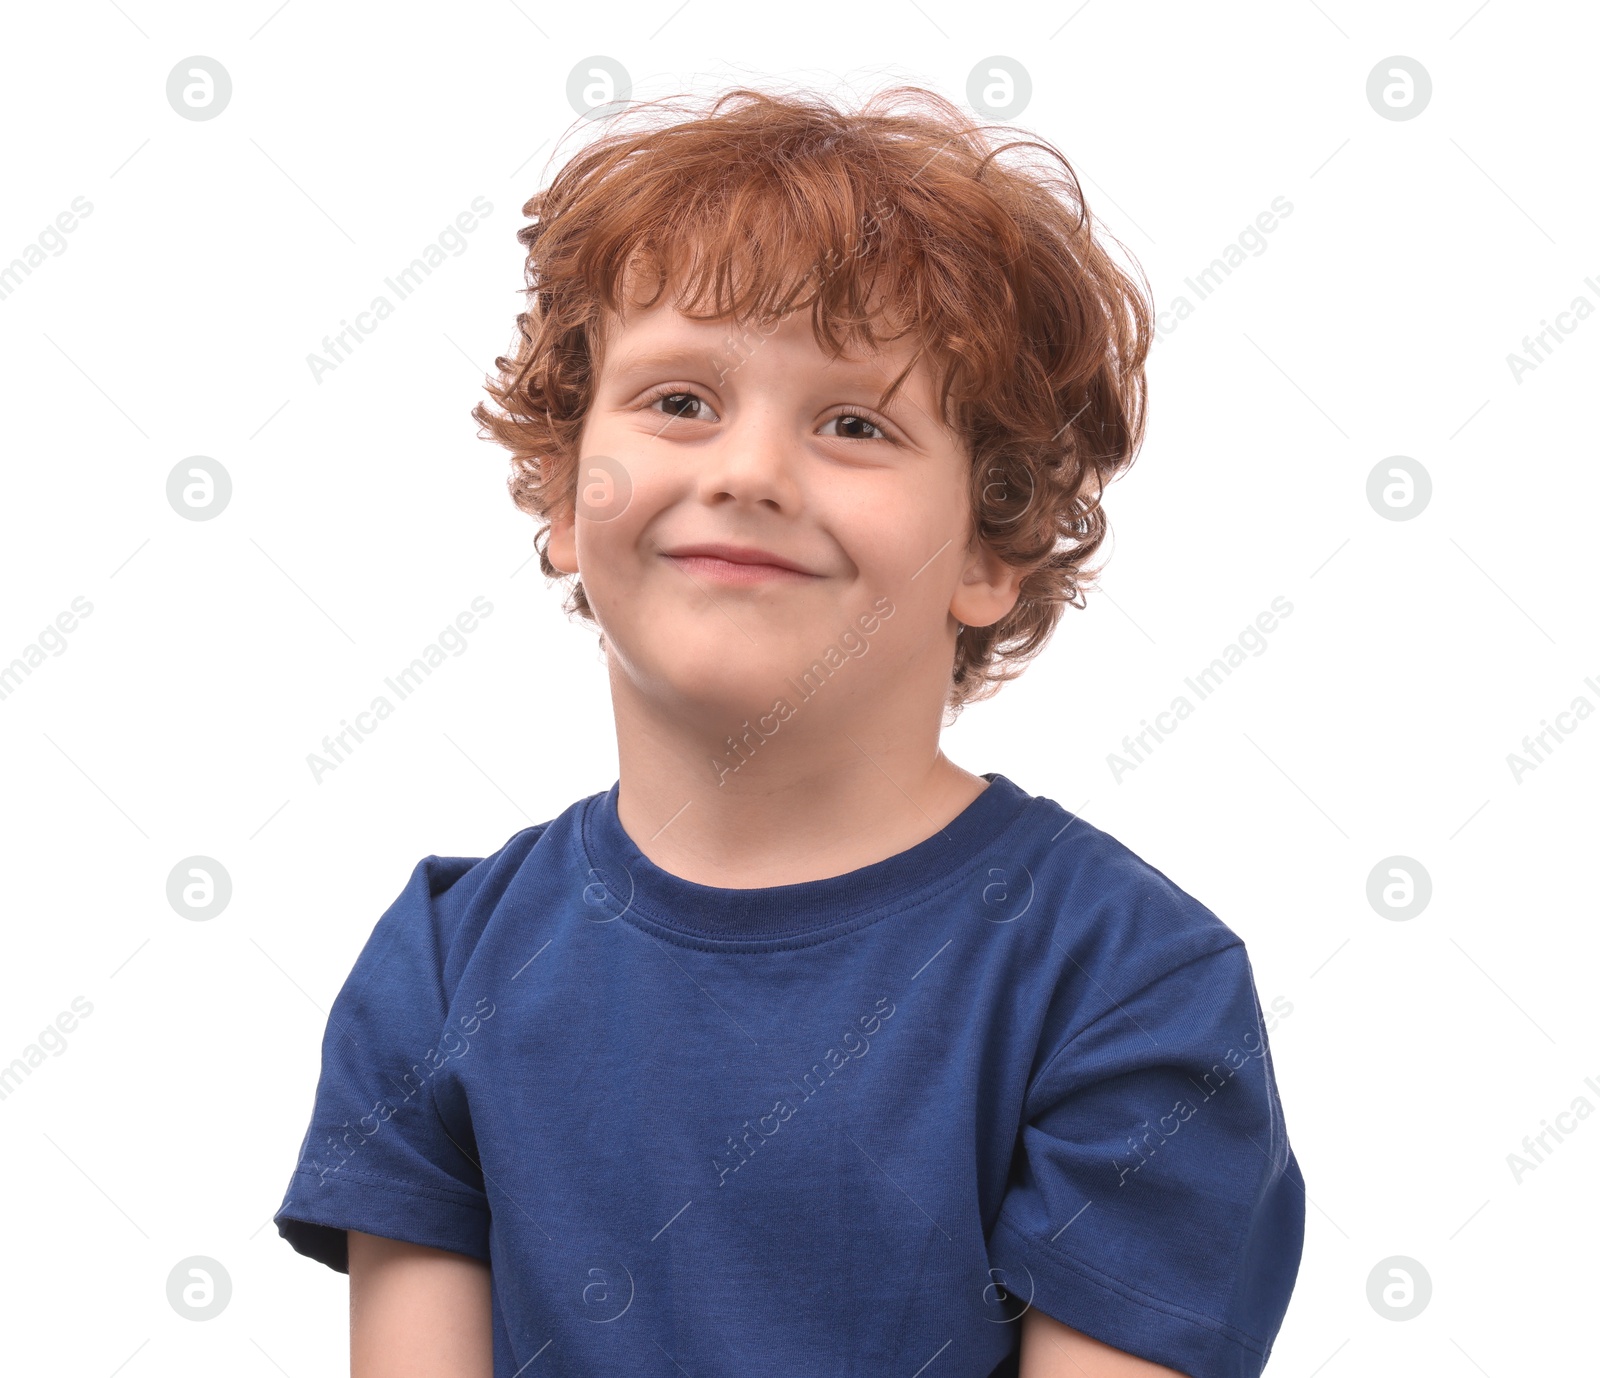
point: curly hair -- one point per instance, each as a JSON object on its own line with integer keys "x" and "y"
{"x": 1035, "y": 338}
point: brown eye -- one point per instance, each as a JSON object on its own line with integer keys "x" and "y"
{"x": 680, "y": 405}
{"x": 856, "y": 422}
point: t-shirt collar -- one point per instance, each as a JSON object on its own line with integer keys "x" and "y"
{"x": 633, "y": 886}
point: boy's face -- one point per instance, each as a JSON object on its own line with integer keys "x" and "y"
{"x": 698, "y": 436}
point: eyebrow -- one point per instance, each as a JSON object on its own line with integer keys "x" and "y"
{"x": 669, "y": 356}
{"x": 664, "y": 358}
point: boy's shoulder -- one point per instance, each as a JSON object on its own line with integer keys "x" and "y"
{"x": 1097, "y": 876}
{"x": 1116, "y": 933}
{"x": 462, "y": 891}
{"x": 1125, "y": 956}
{"x": 445, "y": 873}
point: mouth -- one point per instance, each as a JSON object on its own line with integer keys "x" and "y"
{"x": 726, "y": 564}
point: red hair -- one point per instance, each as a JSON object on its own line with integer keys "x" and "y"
{"x": 766, "y": 203}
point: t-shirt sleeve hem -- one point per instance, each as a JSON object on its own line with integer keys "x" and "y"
{"x": 317, "y": 1213}
{"x": 1115, "y": 1313}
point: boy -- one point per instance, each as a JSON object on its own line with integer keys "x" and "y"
{"x": 802, "y": 1050}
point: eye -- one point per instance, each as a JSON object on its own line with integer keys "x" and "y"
{"x": 677, "y": 403}
{"x": 681, "y": 405}
{"x": 858, "y": 419}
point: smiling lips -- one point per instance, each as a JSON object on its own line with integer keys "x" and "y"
{"x": 731, "y": 564}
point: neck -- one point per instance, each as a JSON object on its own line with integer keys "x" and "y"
{"x": 828, "y": 788}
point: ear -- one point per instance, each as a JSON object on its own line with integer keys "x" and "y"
{"x": 988, "y": 589}
{"x": 562, "y": 547}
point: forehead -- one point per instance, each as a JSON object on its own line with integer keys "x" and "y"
{"x": 663, "y": 333}
{"x": 674, "y": 329}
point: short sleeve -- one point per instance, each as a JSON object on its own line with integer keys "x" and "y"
{"x": 378, "y": 1156}
{"x": 1154, "y": 1202}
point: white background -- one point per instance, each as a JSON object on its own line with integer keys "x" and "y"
{"x": 366, "y": 515}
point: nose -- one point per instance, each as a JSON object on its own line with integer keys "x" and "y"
{"x": 752, "y": 462}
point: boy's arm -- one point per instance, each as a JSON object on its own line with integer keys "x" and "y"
{"x": 1053, "y": 1350}
{"x": 417, "y": 1312}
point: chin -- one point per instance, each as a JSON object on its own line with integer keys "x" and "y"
{"x": 698, "y": 665}
{"x": 723, "y": 692}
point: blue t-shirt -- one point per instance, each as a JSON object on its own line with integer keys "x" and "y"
{"x": 848, "y": 1126}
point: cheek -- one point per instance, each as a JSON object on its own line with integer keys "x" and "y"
{"x": 621, "y": 572}
{"x": 911, "y": 552}
{"x": 606, "y": 559}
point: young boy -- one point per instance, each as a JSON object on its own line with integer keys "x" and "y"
{"x": 802, "y": 1050}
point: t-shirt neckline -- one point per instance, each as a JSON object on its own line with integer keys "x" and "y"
{"x": 635, "y": 887}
